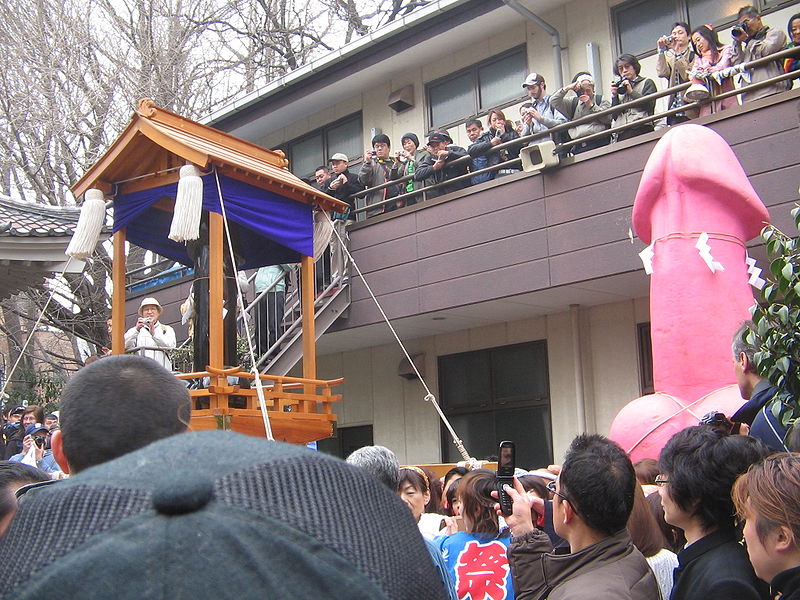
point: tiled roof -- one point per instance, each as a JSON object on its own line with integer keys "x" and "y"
{"x": 30, "y": 219}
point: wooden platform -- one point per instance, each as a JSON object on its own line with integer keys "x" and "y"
{"x": 299, "y": 410}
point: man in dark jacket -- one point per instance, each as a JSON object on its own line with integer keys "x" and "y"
{"x": 593, "y": 500}
{"x": 758, "y": 392}
{"x": 439, "y": 165}
{"x": 343, "y": 184}
{"x": 698, "y": 468}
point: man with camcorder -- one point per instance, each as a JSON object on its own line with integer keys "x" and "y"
{"x": 752, "y": 40}
{"x": 151, "y": 338}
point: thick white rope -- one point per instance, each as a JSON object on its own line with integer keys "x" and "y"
{"x": 429, "y": 397}
{"x": 240, "y": 299}
{"x": 34, "y": 329}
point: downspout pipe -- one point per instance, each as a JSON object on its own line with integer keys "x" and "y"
{"x": 554, "y": 36}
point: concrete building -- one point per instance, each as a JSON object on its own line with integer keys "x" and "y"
{"x": 524, "y": 296}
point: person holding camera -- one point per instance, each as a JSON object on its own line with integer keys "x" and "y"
{"x": 38, "y": 435}
{"x": 149, "y": 337}
{"x": 579, "y": 100}
{"x": 378, "y": 167}
{"x": 675, "y": 57}
{"x": 751, "y": 40}
{"x": 628, "y": 88}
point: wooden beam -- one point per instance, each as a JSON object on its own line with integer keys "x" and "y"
{"x": 216, "y": 338}
{"x": 309, "y": 334}
{"x": 118, "y": 294}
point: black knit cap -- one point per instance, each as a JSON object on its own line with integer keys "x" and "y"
{"x": 216, "y": 515}
{"x": 381, "y": 138}
{"x": 410, "y": 136}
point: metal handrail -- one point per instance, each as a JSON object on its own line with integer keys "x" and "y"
{"x": 570, "y": 124}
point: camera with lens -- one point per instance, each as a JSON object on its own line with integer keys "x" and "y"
{"x": 620, "y": 85}
{"x": 148, "y": 320}
{"x": 669, "y": 39}
{"x": 40, "y": 441}
{"x": 739, "y": 30}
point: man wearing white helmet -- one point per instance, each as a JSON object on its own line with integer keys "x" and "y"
{"x": 153, "y": 339}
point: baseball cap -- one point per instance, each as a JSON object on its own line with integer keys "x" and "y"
{"x": 584, "y": 77}
{"x": 35, "y": 428}
{"x": 215, "y": 514}
{"x": 533, "y": 78}
{"x": 439, "y": 136}
{"x": 339, "y": 156}
{"x": 17, "y": 410}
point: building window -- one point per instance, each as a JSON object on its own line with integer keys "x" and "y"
{"x": 315, "y": 148}
{"x": 346, "y": 440}
{"x": 477, "y": 89}
{"x": 645, "y": 345}
{"x": 639, "y": 23}
{"x": 498, "y": 394}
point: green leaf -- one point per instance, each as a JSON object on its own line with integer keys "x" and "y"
{"x": 776, "y": 266}
{"x": 783, "y": 364}
{"x": 788, "y": 271}
{"x": 783, "y": 314}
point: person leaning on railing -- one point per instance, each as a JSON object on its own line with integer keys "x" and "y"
{"x": 629, "y": 87}
{"x": 675, "y": 56}
{"x": 577, "y": 100}
{"x": 438, "y": 166}
{"x": 752, "y": 40}
{"x": 378, "y": 168}
{"x": 712, "y": 57}
{"x": 793, "y": 63}
{"x": 408, "y": 158}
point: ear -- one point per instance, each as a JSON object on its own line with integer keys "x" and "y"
{"x": 57, "y": 445}
{"x": 569, "y": 511}
{"x": 784, "y": 539}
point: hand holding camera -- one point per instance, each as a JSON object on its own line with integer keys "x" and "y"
{"x": 739, "y": 32}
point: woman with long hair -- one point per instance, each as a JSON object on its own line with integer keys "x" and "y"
{"x": 646, "y": 535}
{"x": 711, "y": 57}
{"x": 476, "y": 556}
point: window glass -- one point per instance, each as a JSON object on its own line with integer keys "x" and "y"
{"x": 520, "y": 372}
{"x": 345, "y": 138}
{"x": 501, "y": 80}
{"x": 307, "y": 155}
{"x": 640, "y": 25}
{"x": 482, "y": 432}
{"x": 702, "y": 12}
{"x": 465, "y": 380}
{"x": 451, "y": 100}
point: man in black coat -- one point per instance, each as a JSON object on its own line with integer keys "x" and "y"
{"x": 439, "y": 165}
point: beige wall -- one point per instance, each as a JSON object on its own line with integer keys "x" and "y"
{"x": 374, "y": 394}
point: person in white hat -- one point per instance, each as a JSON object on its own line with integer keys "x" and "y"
{"x": 149, "y": 337}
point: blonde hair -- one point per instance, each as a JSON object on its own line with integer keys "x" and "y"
{"x": 769, "y": 492}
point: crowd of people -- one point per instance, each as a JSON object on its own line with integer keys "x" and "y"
{"x": 595, "y": 526}
{"x": 684, "y": 55}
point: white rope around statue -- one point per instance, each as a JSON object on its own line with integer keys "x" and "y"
{"x": 262, "y": 404}
{"x": 33, "y": 330}
{"x": 429, "y": 397}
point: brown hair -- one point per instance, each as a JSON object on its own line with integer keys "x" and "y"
{"x": 646, "y": 471}
{"x": 501, "y": 114}
{"x": 642, "y": 526}
{"x": 415, "y": 476}
{"x": 770, "y": 492}
{"x": 435, "y": 488}
{"x": 474, "y": 491}
{"x": 36, "y": 411}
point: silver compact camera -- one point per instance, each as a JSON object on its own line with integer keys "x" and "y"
{"x": 148, "y": 320}
{"x": 669, "y": 39}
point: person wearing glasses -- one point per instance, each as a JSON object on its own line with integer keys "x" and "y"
{"x": 698, "y": 468}
{"x": 593, "y": 499}
{"x": 751, "y": 40}
{"x": 767, "y": 498}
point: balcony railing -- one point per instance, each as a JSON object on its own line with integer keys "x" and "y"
{"x": 520, "y": 142}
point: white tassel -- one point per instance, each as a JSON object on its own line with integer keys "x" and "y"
{"x": 90, "y": 223}
{"x": 188, "y": 206}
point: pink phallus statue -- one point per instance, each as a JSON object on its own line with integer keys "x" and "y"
{"x": 696, "y": 209}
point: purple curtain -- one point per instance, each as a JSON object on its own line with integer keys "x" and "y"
{"x": 267, "y": 229}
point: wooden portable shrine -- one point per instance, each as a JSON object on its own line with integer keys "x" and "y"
{"x": 140, "y": 172}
